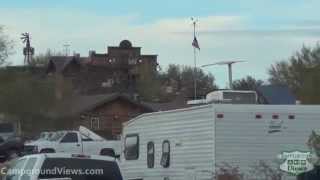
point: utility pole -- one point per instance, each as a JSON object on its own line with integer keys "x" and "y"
{"x": 229, "y": 63}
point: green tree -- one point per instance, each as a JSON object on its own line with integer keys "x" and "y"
{"x": 179, "y": 79}
{"x": 297, "y": 73}
{"x": 6, "y": 46}
{"x": 247, "y": 83}
{"x": 31, "y": 98}
{"x": 205, "y": 82}
{"x": 309, "y": 93}
{"x": 149, "y": 89}
{"x": 42, "y": 59}
{"x": 183, "y": 76}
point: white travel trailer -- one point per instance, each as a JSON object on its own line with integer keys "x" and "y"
{"x": 209, "y": 141}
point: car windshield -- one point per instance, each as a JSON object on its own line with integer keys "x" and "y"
{"x": 99, "y": 169}
{"x": 6, "y": 127}
{"x": 43, "y": 135}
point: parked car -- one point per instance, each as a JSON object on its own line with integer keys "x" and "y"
{"x": 9, "y": 129}
{"x": 43, "y": 136}
{"x": 82, "y": 141}
{"x": 10, "y": 148}
{"x": 47, "y": 135}
{"x": 11, "y": 144}
{"x": 64, "y": 167}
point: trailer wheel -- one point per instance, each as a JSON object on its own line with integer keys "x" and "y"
{"x": 47, "y": 151}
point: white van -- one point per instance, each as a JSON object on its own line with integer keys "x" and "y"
{"x": 213, "y": 141}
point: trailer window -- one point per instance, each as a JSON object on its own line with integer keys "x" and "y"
{"x": 150, "y": 154}
{"x": 131, "y": 147}
{"x": 165, "y": 158}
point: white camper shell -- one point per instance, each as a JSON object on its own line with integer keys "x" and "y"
{"x": 195, "y": 143}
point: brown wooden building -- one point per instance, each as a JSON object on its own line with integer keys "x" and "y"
{"x": 104, "y": 113}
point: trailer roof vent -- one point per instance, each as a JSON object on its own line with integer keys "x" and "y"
{"x": 232, "y": 96}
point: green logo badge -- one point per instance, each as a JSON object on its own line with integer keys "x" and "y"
{"x": 296, "y": 162}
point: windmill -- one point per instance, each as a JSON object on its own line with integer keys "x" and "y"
{"x": 229, "y": 63}
{"x": 28, "y": 51}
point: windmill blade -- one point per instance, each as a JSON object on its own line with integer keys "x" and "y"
{"x": 209, "y": 65}
{"x": 222, "y": 63}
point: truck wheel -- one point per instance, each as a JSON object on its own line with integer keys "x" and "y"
{"x": 47, "y": 151}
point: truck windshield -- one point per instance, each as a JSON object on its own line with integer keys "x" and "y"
{"x": 80, "y": 169}
{"x": 6, "y": 127}
{"x": 56, "y": 136}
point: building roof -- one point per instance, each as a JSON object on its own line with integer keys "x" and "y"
{"x": 276, "y": 94}
{"x": 179, "y": 102}
{"x": 78, "y": 104}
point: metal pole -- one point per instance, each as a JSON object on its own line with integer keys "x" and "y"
{"x": 66, "y": 49}
{"x": 195, "y": 73}
{"x": 195, "y": 63}
{"x": 230, "y": 75}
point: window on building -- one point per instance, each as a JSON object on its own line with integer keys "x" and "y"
{"x": 95, "y": 123}
{"x": 165, "y": 158}
{"x": 70, "y": 138}
{"x": 150, "y": 154}
{"x": 132, "y": 61}
{"x": 131, "y": 147}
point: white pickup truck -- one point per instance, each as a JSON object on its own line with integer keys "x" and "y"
{"x": 60, "y": 166}
{"x": 82, "y": 141}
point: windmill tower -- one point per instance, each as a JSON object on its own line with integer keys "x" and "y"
{"x": 229, "y": 63}
{"x": 28, "y": 51}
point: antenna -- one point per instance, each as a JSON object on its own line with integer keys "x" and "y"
{"x": 229, "y": 63}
